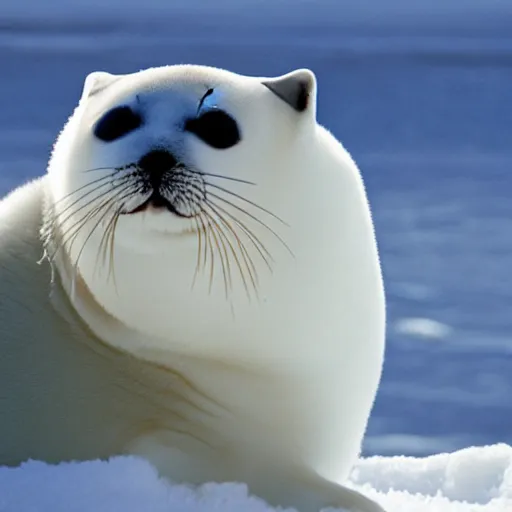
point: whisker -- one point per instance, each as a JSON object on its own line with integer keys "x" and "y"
{"x": 98, "y": 222}
{"x": 86, "y": 194}
{"x": 69, "y": 235}
{"x": 260, "y": 247}
{"x": 199, "y": 248}
{"x": 226, "y": 242}
{"x": 103, "y": 247}
{"x": 112, "y": 234}
{"x": 116, "y": 169}
{"x": 212, "y": 175}
{"x": 224, "y": 257}
{"x": 85, "y": 219}
{"x": 73, "y": 213}
{"x": 244, "y": 253}
{"x": 264, "y": 253}
{"x": 93, "y": 182}
{"x": 212, "y": 254}
{"x": 248, "y": 201}
{"x": 107, "y": 242}
{"x": 112, "y": 243}
{"x": 205, "y": 232}
{"x": 259, "y": 221}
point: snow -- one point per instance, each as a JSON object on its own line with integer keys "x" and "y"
{"x": 477, "y": 479}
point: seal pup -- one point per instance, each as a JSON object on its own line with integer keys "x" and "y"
{"x": 210, "y": 295}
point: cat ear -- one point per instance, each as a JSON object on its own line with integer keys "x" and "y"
{"x": 97, "y": 81}
{"x": 297, "y": 88}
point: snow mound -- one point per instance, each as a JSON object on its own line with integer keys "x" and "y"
{"x": 470, "y": 480}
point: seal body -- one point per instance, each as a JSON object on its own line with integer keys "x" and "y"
{"x": 210, "y": 295}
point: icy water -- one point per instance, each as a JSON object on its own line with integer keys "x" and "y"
{"x": 428, "y": 118}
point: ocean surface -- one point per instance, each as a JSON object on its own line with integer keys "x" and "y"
{"x": 424, "y": 104}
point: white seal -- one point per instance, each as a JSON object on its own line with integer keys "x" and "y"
{"x": 210, "y": 296}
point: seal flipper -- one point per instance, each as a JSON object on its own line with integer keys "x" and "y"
{"x": 309, "y": 492}
{"x": 353, "y": 501}
{"x": 321, "y": 494}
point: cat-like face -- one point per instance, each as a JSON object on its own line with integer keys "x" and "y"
{"x": 172, "y": 139}
{"x": 179, "y": 152}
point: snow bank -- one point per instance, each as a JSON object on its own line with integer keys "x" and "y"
{"x": 471, "y": 480}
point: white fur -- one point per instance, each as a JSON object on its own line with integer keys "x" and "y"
{"x": 277, "y": 384}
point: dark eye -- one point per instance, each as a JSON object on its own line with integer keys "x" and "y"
{"x": 116, "y": 123}
{"x": 215, "y": 128}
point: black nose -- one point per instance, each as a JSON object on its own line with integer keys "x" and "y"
{"x": 157, "y": 161}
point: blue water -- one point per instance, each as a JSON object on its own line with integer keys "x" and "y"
{"x": 424, "y": 107}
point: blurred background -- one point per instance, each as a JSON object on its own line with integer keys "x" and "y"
{"x": 419, "y": 91}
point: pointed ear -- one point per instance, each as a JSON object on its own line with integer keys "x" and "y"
{"x": 96, "y": 82}
{"x": 297, "y": 88}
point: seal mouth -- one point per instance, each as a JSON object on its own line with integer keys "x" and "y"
{"x": 156, "y": 201}
{"x": 161, "y": 182}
